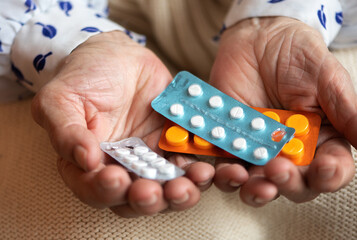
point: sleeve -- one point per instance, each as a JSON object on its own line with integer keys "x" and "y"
{"x": 323, "y": 15}
{"x": 347, "y": 36}
{"x": 36, "y": 35}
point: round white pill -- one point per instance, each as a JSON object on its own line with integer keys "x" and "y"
{"x": 236, "y": 113}
{"x": 140, "y": 150}
{"x": 176, "y": 109}
{"x": 167, "y": 169}
{"x": 120, "y": 152}
{"x": 130, "y": 158}
{"x": 149, "y": 157}
{"x": 158, "y": 162}
{"x": 195, "y": 90}
{"x": 138, "y": 164}
{"x": 215, "y": 102}
{"x": 260, "y": 153}
{"x": 239, "y": 144}
{"x": 197, "y": 121}
{"x": 148, "y": 172}
{"x": 258, "y": 123}
{"x": 218, "y": 132}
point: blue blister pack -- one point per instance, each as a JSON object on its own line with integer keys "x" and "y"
{"x": 221, "y": 120}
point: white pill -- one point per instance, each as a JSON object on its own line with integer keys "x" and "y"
{"x": 176, "y": 109}
{"x": 258, "y": 123}
{"x": 149, "y": 157}
{"x": 115, "y": 147}
{"x": 138, "y": 164}
{"x": 167, "y": 169}
{"x": 140, "y": 150}
{"x": 197, "y": 121}
{"x": 148, "y": 172}
{"x": 158, "y": 162}
{"x": 130, "y": 158}
{"x": 120, "y": 152}
{"x": 195, "y": 90}
{"x": 215, "y": 102}
{"x": 236, "y": 113}
{"x": 239, "y": 144}
{"x": 108, "y": 147}
{"x": 261, "y": 153}
{"x": 218, "y": 132}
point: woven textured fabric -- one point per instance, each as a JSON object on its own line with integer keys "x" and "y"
{"x": 35, "y": 204}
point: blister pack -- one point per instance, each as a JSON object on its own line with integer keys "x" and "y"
{"x": 300, "y": 150}
{"x": 221, "y": 120}
{"x": 137, "y": 157}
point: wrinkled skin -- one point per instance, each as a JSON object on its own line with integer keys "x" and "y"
{"x": 282, "y": 63}
{"x": 103, "y": 92}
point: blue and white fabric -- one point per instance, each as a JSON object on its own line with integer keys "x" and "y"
{"x": 324, "y": 15}
{"x": 335, "y": 20}
{"x": 36, "y": 35}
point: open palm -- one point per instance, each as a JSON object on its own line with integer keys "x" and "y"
{"x": 103, "y": 93}
{"x": 282, "y": 63}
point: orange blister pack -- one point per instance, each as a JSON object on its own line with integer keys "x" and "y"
{"x": 300, "y": 150}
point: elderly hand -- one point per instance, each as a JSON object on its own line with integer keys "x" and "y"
{"x": 103, "y": 92}
{"x": 282, "y": 63}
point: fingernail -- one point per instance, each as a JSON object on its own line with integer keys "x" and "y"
{"x": 110, "y": 183}
{"x": 204, "y": 183}
{"x": 281, "y": 178}
{"x": 326, "y": 173}
{"x": 148, "y": 202}
{"x": 181, "y": 200}
{"x": 259, "y": 200}
{"x": 234, "y": 184}
{"x": 80, "y": 153}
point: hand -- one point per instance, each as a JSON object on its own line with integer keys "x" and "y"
{"x": 282, "y": 63}
{"x": 103, "y": 93}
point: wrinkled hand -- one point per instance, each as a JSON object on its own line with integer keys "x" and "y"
{"x": 282, "y": 63}
{"x": 103, "y": 93}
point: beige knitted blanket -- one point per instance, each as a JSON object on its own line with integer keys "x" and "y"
{"x": 35, "y": 204}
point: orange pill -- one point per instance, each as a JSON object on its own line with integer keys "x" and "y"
{"x": 300, "y": 123}
{"x": 201, "y": 143}
{"x": 272, "y": 115}
{"x": 176, "y": 136}
{"x": 293, "y": 149}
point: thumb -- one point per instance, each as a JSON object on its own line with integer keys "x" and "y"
{"x": 338, "y": 98}
{"x": 63, "y": 117}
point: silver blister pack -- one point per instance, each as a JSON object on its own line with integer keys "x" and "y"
{"x": 137, "y": 157}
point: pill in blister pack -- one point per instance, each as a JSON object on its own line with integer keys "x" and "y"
{"x": 137, "y": 157}
{"x": 221, "y": 120}
{"x": 174, "y": 138}
{"x": 300, "y": 150}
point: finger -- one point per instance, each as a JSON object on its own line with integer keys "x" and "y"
{"x": 103, "y": 188}
{"x": 289, "y": 180}
{"x": 146, "y": 197}
{"x": 332, "y": 168}
{"x": 257, "y": 191}
{"x": 181, "y": 194}
{"x": 337, "y": 98}
{"x": 200, "y": 173}
{"x": 229, "y": 175}
{"x": 67, "y": 128}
